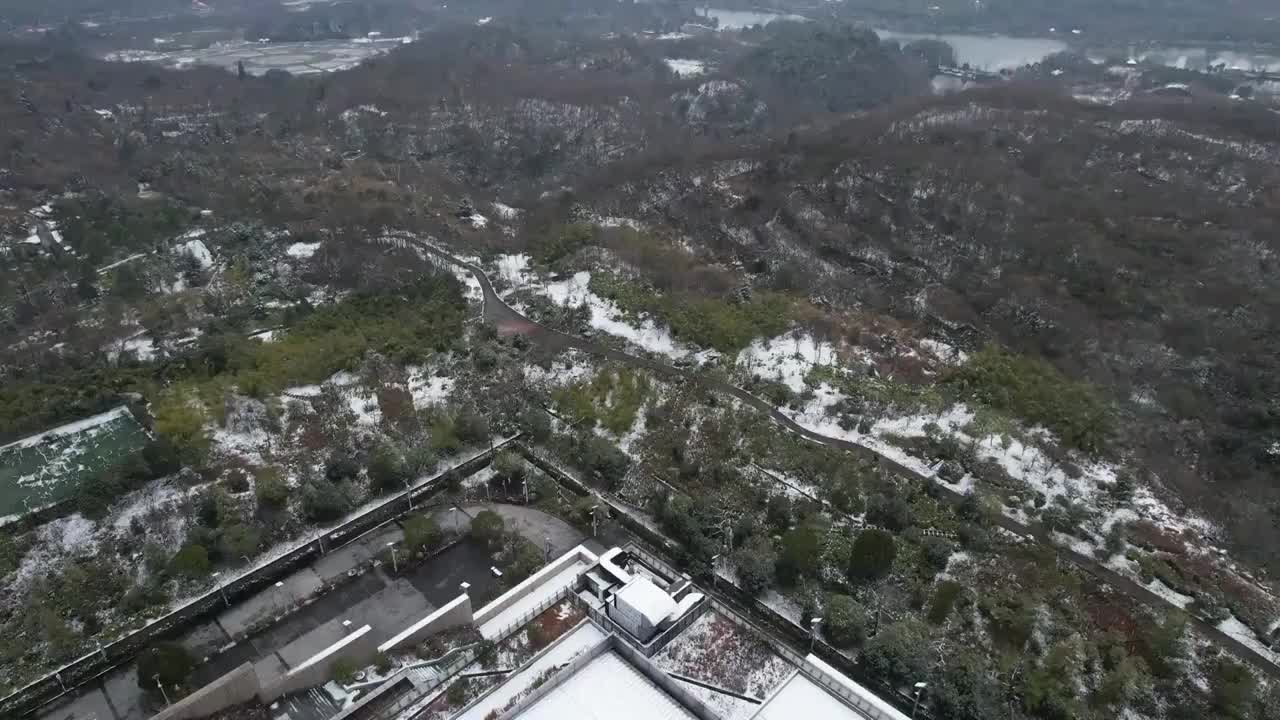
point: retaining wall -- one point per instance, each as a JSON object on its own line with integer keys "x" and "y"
{"x": 533, "y": 582}
{"x": 238, "y": 686}
{"x": 358, "y": 648}
{"x": 456, "y": 612}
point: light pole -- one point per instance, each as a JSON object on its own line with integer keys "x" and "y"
{"x": 714, "y": 560}
{"x": 813, "y": 632}
{"x": 101, "y": 650}
{"x": 160, "y": 685}
{"x": 222, "y": 590}
{"x": 919, "y": 690}
{"x": 526, "y": 491}
{"x": 594, "y": 520}
{"x": 465, "y": 587}
{"x": 408, "y": 493}
{"x": 546, "y": 557}
{"x": 454, "y": 510}
{"x": 395, "y": 566}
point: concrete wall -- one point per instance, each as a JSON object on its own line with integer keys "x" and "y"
{"x": 454, "y": 613}
{"x": 532, "y": 583}
{"x": 359, "y": 648}
{"x": 238, "y": 686}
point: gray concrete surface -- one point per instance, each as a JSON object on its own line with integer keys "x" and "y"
{"x": 270, "y": 602}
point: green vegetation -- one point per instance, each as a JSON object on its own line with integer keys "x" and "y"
{"x": 728, "y": 325}
{"x": 755, "y": 562}
{"x": 270, "y": 488}
{"x": 168, "y": 663}
{"x": 944, "y": 598}
{"x": 881, "y": 392}
{"x": 563, "y": 241}
{"x": 844, "y": 621}
{"x": 420, "y": 531}
{"x": 1035, "y": 391}
{"x": 800, "y": 556}
{"x": 487, "y": 528}
{"x": 344, "y": 671}
{"x": 612, "y": 398}
{"x": 872, "y": 555}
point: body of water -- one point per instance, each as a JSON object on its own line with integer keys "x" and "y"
{"x": 988, "y": 52}
{"x": 738, "y": 19}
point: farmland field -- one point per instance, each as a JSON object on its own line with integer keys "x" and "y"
{"x": 46, "y": 468}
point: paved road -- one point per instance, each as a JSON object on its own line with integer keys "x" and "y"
{"x": 507, "y": 319}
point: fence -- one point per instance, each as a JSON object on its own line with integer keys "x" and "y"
{"x": 89, "y": 667}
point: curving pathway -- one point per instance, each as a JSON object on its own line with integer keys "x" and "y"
{"x": 509, "y": 320}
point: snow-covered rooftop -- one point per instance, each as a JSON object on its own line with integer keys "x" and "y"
{"x": 803, "y": 698}
{"x": 607, "y": 688}
{"x": 647, "y": 599}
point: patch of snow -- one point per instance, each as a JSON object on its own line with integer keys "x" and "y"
{"x": 428, "y": 390}
{"x": 505, "y": 212}
{"x": 478, "y": 221}
{"x": 514, "y": 269}
{"x": 945, "y": 352}
{"x": 484, "y": 20}
{"x": 1238, "y": 630}
{"x": 607, "y": 317}
{"x": 1173, "y": 597}
{"x": 685, "y": 67}
{"x": 786, "y": 358}
{"x": 302, "y": 250}
{"x": 197, "y": 249}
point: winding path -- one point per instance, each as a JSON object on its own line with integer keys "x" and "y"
{"x": 503, "y": 316}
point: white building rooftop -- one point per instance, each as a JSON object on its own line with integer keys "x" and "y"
{"x": 647, "y": 599}
{"x": 607, "y": 688}
{"x": 803, "y": 698}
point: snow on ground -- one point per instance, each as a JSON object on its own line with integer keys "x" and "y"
{"x": 478, "y": 221}
{"x": 718, "y": 652}
{"x": 568, "y": 368}
{"x": 141, "y": 346}
{"x": 265, "y": 336}
{"x": 608, "y": 318}
{"x": 1241, "y": 632}
{"x": 302, "y": 250}
{"x": 786, "y": 358}
{"x": 580, "y": 640}
{"x": 945, "y": 352}
{"x": 685, "y": 67}
{"x": 506, "y": 212}
{"x": 427, "y": 389}
{"x": 365, "y": 407}
{"x": 70, "y": 535}
{"x": 514, "y": 269}
{"x": 196, "y": 248}
{"x": 1169, "y": 594}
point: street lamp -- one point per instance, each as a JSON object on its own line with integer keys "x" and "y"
{"x": 547, "y": 553}
{"x": 395, "y": 566}
{"x": 714, "y": 559}
{"x": 813, "y": 632}
{"x": 408, "y": 493}
{"x": 160, "y": 685}
{"x": 594, "y": 520}
{"x": 454, "y": 509}
{"x": 221, "y": 590}
{"x": 465, "y": 586}
{"x": 919, "y": 690}
{"x": 526, "y": 491}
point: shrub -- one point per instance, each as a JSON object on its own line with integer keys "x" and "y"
{"x": 420, "y": 531}
{"x": 800, "y": 555}
{"x": 944, "y": 598}
{"x": 1035, "y": 391}
{"x": 936, "y": 552}
{"x": 387, "y": 469}
{"x": 325, "y": 502}
{"x": 898, "y": 652}
{"x": 168, "y": 662}
{"x": 383, "y": 663}
{"x": 270, "y": 488}
{"x": 844, "y": 621}
{"x": 755, "y": 562}
{"x": 238, "y": 541}
{"x": 487, "y": 528}
{"x": 344, "y": 671}
{"x": 340, "y": 466}
{"x": 457, "y": 692}
{"x": 872, "y": 555}
{"x": 192, "y": 561}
